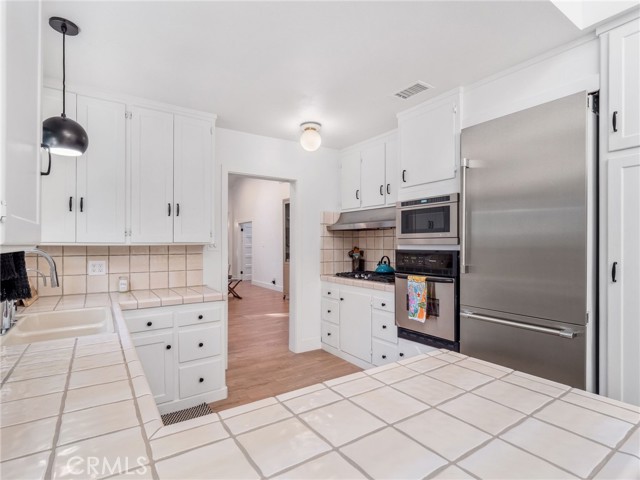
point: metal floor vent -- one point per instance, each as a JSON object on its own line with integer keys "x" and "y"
{"x": 186, "y": 414}
{"x": 414, "y": 89}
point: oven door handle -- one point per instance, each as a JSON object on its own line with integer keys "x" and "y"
{"x": 429, "y": 279}
{"x": 564, "y": 333}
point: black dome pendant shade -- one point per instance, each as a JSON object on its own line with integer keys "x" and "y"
{"x": 61, "y": 135}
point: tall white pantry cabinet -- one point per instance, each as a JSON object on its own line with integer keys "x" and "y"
{"x": 147, "y": 176}
{"x": 620, "y": 211}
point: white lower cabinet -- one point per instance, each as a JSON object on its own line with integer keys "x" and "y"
{"x": 181, "y": 351}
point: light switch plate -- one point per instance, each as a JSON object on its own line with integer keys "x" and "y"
{"x": 97, "y": 267}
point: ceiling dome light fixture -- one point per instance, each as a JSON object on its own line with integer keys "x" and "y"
{"x": 310, "y": 138}
{"x": 61, "y": 135}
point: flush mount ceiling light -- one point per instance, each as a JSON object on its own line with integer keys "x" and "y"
{"x": 310, "y": 138}
{"x": 61, "y": 135}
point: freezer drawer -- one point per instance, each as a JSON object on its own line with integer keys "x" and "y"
{"x": 550, "y": 350}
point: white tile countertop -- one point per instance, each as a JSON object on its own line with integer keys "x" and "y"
{"x": 82, "y": 408}
{"x": 386, "y": 287}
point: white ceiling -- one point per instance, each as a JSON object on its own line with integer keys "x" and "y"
{"x": 265, "y": 67}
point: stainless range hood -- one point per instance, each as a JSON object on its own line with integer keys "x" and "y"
{"x": 376, "y": 218}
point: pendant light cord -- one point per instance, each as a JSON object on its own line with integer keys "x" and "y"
{"x": 64, "y": 73}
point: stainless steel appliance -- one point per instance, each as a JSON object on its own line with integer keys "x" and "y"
{"x": 527, "y": 253}
{"x": 428, "y": 221}
{"x": 441, "y": 269}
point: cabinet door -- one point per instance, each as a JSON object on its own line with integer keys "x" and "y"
{"x": 428, "y": 145}
{"x": 623, "y": 285}
{"x": 151, "y": 176}
{"x": 624, "y": 93}
{"x": 101, "y": 173}
{"x": 391, "y": 172}
{"x": 193, "y": 179}
{"x": 58, "y": 189}
{"x": 355, "y": 325}
{"x": 372, "y": 181}
{"x": 155, "y": 351}
{"x": 20, "y": 128}
{"x": 350, "y": 181}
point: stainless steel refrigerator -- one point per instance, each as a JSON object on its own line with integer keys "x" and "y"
{"x": 527, "y": 250}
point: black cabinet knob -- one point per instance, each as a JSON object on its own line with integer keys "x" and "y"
{"x": 200, "y": 317}
{"x": 384, "y": 327}
{"x": 328, "y": 293}
{"x": 401, "y": 354}
{"x": 341, "y": 299}
{"x": 329, "y": 334}
{"x": 149, "y": 324}
{"x": 201, "y": 344}
{"x": 328, "y": 311}
{"x": 168, "y": 347}
{"x": 383, "y": 304}
{"x": 201, "y": 380}
{"x": 384, "y": 356}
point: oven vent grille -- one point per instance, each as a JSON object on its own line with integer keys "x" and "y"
{"x": 414, "y": 89}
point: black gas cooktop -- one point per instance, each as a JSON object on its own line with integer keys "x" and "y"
{"x": 371, "y": 276}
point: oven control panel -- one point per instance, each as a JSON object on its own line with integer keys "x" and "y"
{"x": 434, "y": 262}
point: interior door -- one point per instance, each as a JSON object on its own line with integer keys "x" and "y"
{"x": 193, "y": 179}
{"x": 372, "y": 173}
{"x": 58, "y": 204}
{"x": 246, "y": 250}
{"x": 623, "y": 285}
{"x": 350, "y": 180}
{"x": 355, "y": 325}
{"x": 525, "y": 239}
{"x": 101, "y": 172}
{"x": 151, "y": 176}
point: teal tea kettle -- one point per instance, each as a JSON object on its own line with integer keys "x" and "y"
{"x": 384, "y": 266}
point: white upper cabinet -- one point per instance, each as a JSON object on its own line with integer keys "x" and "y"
{"x": 101, "y": 173}
{"x": 372, "y": 176}
{"x": 624, "y": 90}
{"x": 193, "y": 179}
{"x": 391, "y": 172}
{"x": 151, "y": 176}
{"x": 58, "y": 189}
{"x": 427, "y": 137}
{"x": 350, "y": 181}
{"x": 20, "y": 127}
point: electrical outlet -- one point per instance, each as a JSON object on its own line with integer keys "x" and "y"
{"x": 97, "y": 267}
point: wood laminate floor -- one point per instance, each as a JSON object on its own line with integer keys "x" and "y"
{"x": 260, "y": 362}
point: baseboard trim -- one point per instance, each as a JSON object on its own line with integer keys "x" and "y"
{"x": 269, "y": 285}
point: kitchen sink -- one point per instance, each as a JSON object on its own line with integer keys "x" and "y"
{"x": 39, "y": 327}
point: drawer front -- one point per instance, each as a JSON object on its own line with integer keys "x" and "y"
{"x": 199, "y": 341}
{"x": 330, "y": 334}
{"x": 199, "y": 314}
{"x": 383, "y": 352}
{"x": 383, "y": 304}
{"x": 408, "y": 349}
{"x": 201, "y": 377}
{"x": 330, "y": 291}
{"x": 330, "y": 310}
{"x": 144, "y": 322}
{"x": 383, "y": 326}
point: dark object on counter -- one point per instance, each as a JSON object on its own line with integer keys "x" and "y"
{"x": 14, "y": 282}
{"x": 357, "y": 259}
{"x": 384, "y": 266}
{"x": 371, "y": 276}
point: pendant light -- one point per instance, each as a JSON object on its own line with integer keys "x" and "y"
{"x": 310, "y": 138}
{"x": 61, "y": 135}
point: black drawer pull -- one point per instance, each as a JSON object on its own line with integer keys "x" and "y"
{"x": 200, "y": 317}
{"x": 168, "y": 347}
{"x": 613, "y": 272}
{"x": 404, "y": 178}
{"x": 342, "y": 299}
{"x": 149, "y": 324}
{"x": 384, "y": 327}
{"x": 401, "y": 354}
{"x": 383, "y": 304}
{"x": 328, "y": 293}
{"x": 71, "y": 204}
{"x": 615, "y": 121}
{"x": 328, "y": 311}
{"x": 201, "y": 380}
{"x": 384, "y": 356}
{"x": 201, "y": 344}
{"x": 328, "y": 334}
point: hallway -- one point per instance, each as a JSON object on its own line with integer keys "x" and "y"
{"x": 260, "y": 362}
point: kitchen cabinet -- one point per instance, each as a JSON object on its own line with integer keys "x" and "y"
{"x": 181, "y": 349}
{"x": 20, "y": 130}
{"x": 427, "y": 136}
{"x": 369, "y": 174}
{"x": 355, "y": 324}
{"x": 624, "y": 94}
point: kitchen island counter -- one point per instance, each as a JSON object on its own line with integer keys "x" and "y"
{"x": 81, "y": 407}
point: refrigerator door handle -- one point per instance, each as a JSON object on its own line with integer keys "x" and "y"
{"x": 463, "y": 217}
{"x": 552, "y": 331}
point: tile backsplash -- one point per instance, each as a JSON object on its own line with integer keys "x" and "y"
{"x": 146, "y": 267}
{"x": 335, "y": 246}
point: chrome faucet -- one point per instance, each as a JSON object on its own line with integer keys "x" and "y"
{"x": 53, "y": 271}
{"x": 39, "y": 274}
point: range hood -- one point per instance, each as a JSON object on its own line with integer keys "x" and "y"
{"x": 366, "y": 219}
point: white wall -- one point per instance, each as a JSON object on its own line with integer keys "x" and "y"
{"x": 314, "y": 189}
{"x": 260, "y": 202}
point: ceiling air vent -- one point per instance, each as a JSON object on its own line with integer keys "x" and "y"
{"x": 412, "y": 90}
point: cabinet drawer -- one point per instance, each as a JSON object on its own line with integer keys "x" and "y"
{"x": 199, "y": 341}
{"x": 383, "y": 352}
{"x": 408, "y": 349}
{"x": 330, "y": 334}
{"x": 329, "y": 291}
{"x": 330, "y": 310}
{"x": 200, "y": 377}
{"x": 383, "y": 326}
{"x": 383, "y": 304}
{"x": 142, "y": 322}
{"x": 199, "y": 314}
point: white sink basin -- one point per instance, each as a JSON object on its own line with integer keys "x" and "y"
{"x": 39, "y": 327}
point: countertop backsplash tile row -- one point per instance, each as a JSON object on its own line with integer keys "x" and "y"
{"x": 335, "y": 246}
{"x": 146, "y": 267}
